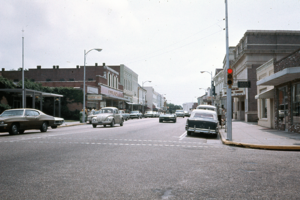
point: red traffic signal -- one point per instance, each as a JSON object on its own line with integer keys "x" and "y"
{"x": 229, "y": 77}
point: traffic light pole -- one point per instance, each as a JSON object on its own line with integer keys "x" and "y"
{"x": 229, "y": 108}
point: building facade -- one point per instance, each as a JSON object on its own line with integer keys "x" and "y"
{"x": 102, "y": 83}
{"x": 253, "y": 50}
{"x": 286, "y": 83}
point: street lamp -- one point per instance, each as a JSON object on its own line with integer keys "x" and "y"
{"x": 85, "y": 53}
{"x": 210, "y": 84}
{"x": 143, "y": 95}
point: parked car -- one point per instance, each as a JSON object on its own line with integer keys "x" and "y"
{"x": 207, "y": 107}
{"x": 167, "y": 117}
{"x": 179, "y": 113}
{"x": 186, "y": 113}
{"x": 125, "y": 115}
{"x": 135, "y": 114}
{"x": 108, "y": 116}
{"x": 148, "y": 114}
{"x": 57, "y": 122}
{"x": 16, "y": 121}
{"x": 202, "y": 121}
{"x": 155, "y": 114}
{"x": 93, "y": 113}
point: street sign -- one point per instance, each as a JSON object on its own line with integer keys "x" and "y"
{"x": 244, "y": 84}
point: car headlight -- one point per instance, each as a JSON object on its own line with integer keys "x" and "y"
{"x": 109, "y": 119}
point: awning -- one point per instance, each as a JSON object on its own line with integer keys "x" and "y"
{"x": 135, "y": 104}
{"x": 114, "y": 97}
{"x": 269, "y": 94}
{"x": 283, "y": 76}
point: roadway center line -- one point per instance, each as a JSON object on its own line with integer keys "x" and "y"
{"x": 182, "y": 136}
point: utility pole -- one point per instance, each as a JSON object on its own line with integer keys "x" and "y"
{"x": 229, "y": 108}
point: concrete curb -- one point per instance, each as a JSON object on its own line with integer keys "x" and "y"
{"x": 258, "y": 146}
{"x": 71, "y": 125}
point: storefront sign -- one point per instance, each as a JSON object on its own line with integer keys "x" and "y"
{"x": 94, "y": 97}
{"x": 92, "y": 90}
{"x": 111, "y": 92}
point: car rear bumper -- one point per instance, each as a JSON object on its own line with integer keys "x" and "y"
{"x": 201, "y": 130}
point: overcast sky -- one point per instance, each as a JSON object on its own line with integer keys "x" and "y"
{"x": 166, "y": 41}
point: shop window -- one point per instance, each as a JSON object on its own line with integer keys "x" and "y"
{"x": 264, "y": 108}
{"x": 296, "y": 103}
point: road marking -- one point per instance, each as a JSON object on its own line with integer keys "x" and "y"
{"x": 182, "y": 136}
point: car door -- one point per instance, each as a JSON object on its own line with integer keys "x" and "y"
{"x": 30, "y": 122}
{"x": 117, "y": 116}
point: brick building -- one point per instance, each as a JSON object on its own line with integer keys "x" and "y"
{"x": 103, "y": 86}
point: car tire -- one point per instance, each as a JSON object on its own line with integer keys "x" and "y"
{"x": 21, "y": 131}
{"x": 160, "y": 121}
{"x": 104, "y": 125}
{"x": 121, "y": 124}
{"x": 44, "y": 127}
{"x": 112, "y": 124}
{"x": 94, "y": 125}
{"x": 189, "y": 133}
{"x": 14, "y": 129}
{"x": 54, "y": 127}
{"x": 174, "y": 121}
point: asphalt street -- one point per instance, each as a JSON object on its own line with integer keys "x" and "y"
{"x": 144, "y": 159}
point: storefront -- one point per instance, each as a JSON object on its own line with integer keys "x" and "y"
{"x": 286, "y": 92}
{"x": 112, "y": 98}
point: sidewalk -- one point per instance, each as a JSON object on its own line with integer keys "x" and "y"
{"x": 250, "y": 135}
{"x": 74, "y": 123}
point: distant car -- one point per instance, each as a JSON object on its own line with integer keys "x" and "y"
{"x": 125, "y": 115}
{"x": 167, "y": 117}
{"x": 89, "y": 117}
{"x": 108, "y": 116}
{"x": 16, "y": 121}
{"x": 186, "y": 113}
{"x": 135, "y": 114}
{"x": 179, "y": 113}
{"x": 207, "y": 107}
{"x": 148, "y": 114}
{"x": 202, "y": 121}
{"x": 155, "y": 114}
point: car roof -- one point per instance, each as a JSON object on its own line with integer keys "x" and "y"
{"x": 109, "y": 108}
{"x": 205, "y": 111}
{"x": 206, "y": 106}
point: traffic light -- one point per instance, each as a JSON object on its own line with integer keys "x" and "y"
{"x": 229, "y": 77}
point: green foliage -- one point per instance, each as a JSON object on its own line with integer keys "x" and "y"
{"x": 172, "y": 108}
{"x": 6, "y": 83}
{"x": 70, "y": 95}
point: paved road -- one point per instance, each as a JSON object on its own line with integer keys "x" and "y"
{"x": 143, "y": 159}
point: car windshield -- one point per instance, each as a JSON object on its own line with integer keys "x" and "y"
{"x": 96, "y": 112}
{"x": 106, "y": 110}
{"x": 203, "y": 115}
{"x": 134, "y": 112}
{"x": 12, "y": 113}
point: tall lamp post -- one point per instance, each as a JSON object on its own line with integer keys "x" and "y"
{"x": 143, "y": 94}
{"x": 210, "y": 85}
{"x": 85, "y": 53}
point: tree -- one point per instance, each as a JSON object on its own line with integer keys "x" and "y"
{"x": 172, "y": 108}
